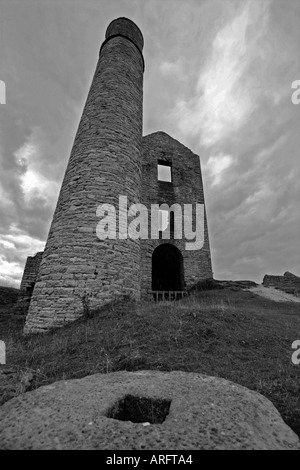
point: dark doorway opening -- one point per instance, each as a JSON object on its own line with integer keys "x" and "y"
{"x": 167, "y": 268}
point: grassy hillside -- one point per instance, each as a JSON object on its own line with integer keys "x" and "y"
{"x": 8, "y": 297}
{"x": 226, "y": 333}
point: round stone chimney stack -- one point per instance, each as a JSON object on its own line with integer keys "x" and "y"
{"x": 80, "y": 272}
{"x": 128, "y": 29}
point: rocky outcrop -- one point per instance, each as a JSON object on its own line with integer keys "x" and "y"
{"x": 144, "y": 410}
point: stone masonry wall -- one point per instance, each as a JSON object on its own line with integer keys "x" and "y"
{"x": 186, "y": 188}
{"x": 29, "y": 277}
{"x": 289, "y": 282}
{"x": 105, "y": 162}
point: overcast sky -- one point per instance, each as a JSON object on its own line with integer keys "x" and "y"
{"x": 218, "y": 78}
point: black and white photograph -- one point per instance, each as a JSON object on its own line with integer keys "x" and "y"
{"x": 149, "y": 227}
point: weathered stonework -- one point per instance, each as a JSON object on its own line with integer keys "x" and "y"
{"x": 204, "y": 413}
{"x": 289, "y": 282}
{"x": 109, "y": 159}
{"x": 30, "y": 274}
{"x": 186, "y": 188}
{"x": 104, "y": 163}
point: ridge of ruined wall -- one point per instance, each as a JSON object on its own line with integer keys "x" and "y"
{"x": 28, "y": 281}
{"x": 289, "y": 282}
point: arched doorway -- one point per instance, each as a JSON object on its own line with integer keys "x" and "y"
{"x": 167, "y": 268}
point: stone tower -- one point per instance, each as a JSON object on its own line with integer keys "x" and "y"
{"x": 109, "y": 159}
{"x": 105, "y": 162}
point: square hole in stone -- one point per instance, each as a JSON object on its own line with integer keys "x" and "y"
{"x": 140, "y": 409}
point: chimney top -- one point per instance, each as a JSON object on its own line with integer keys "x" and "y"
{"x": 128, "y": 28}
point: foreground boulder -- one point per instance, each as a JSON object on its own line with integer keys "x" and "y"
{"x": 143, "y": 410}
